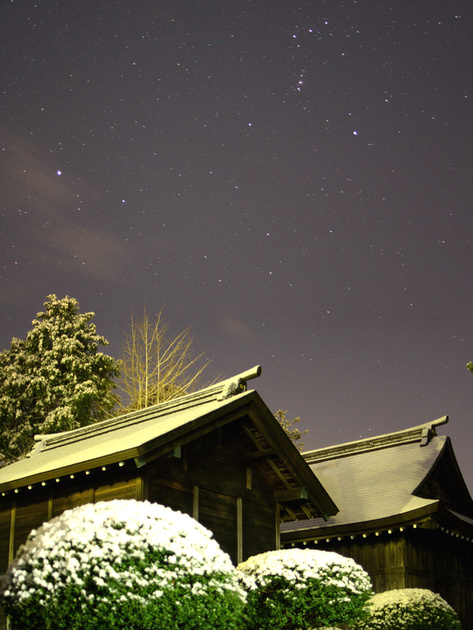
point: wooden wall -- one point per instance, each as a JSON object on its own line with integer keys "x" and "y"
{"x": 29, "y": 509}
{"x": 213, "y": 480}
{"x": 416, "y": 558}
{"x": 444, "y": 563}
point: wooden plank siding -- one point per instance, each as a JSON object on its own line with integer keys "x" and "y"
{"x": 31, "y": 508}
{"x": 218, "y": 455}
{"x": 6, "y": 515}
{"x": 7, "y": 525}
{"x": 415, "y": 558}
{"x": 214, "y": 480}
{"x": 29, "y": 515}
{"x": 218, "y": 512}
{"x": 444, "y": 563}
{"x": 63, "y": 500}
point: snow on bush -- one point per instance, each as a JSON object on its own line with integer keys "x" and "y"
{"x": 122, "y": 564}
{"x": 303, "y": 588}
{"x": 410, "y": 609}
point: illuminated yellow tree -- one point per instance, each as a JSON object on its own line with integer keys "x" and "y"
{"x": 157, "y": 366}
{"x": 288, "y": 425}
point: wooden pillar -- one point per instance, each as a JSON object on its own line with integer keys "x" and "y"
{"x": 277, "y": 527}
{"x": 239, "y": 530}
{"x": 11, "y": 543}
{"x": 195, "y": 502}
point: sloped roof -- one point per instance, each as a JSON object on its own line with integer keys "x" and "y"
{"x": 394, "y": 479}
{"x": 158, "y": 430}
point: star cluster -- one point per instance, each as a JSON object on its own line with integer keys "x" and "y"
{"x": 290, "y": 179}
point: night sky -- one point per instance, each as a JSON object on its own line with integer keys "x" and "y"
{"x": 293, "y": 180}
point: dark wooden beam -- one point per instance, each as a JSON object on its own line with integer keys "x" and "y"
{"x": 288, "y": 496}
{"x": 267, "y": 453}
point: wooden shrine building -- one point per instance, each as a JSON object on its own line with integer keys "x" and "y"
{"x": 405, "y": 513}
{"x": 217, "y": 454}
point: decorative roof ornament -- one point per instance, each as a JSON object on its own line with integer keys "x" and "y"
{"x": 429, "y": 431}
{"x": 237, "y": 384}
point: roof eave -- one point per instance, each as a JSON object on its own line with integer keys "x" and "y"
{"x": 447, "y": 451}
{"x": 31, "y": 480}
{"x": 293, "y": 460}
{"x": 143, "y": 453}
{"x": 361, "y": 528}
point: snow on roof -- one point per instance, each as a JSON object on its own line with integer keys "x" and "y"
{"x": 158, "y": 430}
{"x": 376, "y": 481}
{"x": 126, "y": 436}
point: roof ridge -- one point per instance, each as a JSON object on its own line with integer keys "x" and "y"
{"x": 422, "y": 433}
{"x": 218, "y": 391}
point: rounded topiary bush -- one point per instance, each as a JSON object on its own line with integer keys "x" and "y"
{"x": 410, "y": 609}
{"x": 303, "y": 588}
{"x": 122, "y": 564}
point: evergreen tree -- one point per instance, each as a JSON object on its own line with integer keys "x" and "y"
{"x": 54, "y": 380}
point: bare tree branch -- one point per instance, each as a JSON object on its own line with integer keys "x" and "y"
{"x": 157, "y": 366}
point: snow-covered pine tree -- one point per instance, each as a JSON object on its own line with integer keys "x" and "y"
{"x": 55, "y": 379}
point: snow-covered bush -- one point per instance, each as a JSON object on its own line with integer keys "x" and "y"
{"x": 122, "y": 564}
{"x": 410, "y": 609}
{"x": 303, "y": 588}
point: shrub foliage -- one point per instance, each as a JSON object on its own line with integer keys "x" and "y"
{"x": 410, "y": 609}
{"x": 122, "y": 564}
{"x": 301, "y": 589}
